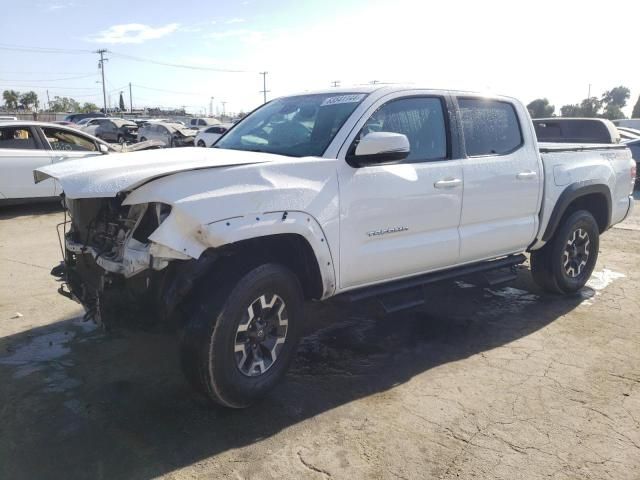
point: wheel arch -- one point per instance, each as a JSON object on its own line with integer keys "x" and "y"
{"x": 593, "y": 197}
{"x": 293, "y": 239}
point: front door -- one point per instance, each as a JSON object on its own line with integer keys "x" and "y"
{"x": 502, "y": 176}
{"x": 401, "y": 219}
{"x": 21, "y": 152}
{"x": 67, "y": 145}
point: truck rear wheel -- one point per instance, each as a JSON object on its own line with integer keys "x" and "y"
{"x": 566, "y": 262}
{"x": 242, "y": 334}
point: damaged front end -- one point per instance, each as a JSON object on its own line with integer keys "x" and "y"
{"x": 109, "y": 264}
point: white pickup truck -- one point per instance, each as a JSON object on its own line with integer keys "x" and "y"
{"x": 361, "y": 193}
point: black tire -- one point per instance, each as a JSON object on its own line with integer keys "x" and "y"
{"x": 201, "y": 143}
{"x": 210, "y": 336}
{"x": 566, "y": 262}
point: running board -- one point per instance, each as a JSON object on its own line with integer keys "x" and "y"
{"x": 420, "y": 280}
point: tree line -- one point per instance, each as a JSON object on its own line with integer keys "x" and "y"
{"x": 28, "y": 101}
{"x": 609, "y": 106}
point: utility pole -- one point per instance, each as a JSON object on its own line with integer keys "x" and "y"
{"x": 102, "y": 51}
{"x": 211, "y": 106}
{"x": 589, "y": 94}
{"x": 130, "y": 99}
{"x": 264, "y": 86}
{"x": 335, "y": 83}
{"x": 223, "y": 108}
{"x": 48, "y": 101}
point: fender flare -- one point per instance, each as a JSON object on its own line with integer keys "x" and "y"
{"x": 232, "y": 230}
{"x": 570, "y": 194}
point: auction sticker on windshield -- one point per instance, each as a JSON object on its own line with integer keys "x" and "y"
{"x": 353, "y": 98}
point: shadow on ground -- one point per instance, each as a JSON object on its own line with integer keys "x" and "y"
{"x": 77, "y": 403}
{"x": 40, "y": 207}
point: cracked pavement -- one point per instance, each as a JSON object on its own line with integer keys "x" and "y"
{"x": 500, "y": 383}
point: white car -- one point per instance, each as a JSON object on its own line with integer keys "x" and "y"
{"x": 208, "y": 136}
{"x": 362, "y": 193}
{"x": 27, "y": 145}
{"x": 203, "y": 122}
{"x": 6, "y": 118}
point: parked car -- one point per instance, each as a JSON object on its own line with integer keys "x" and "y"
{"x": 4, "y": 118}
{"x": 207, "y": 136}
{"x": 576, "y": 130}
{"x": 634, "y": 146}
{"x": 90, "y": 125}
{"x": 170, "y": 134}
{"x": 74, "y": 117}
{"x": 27, "y": 145}
{"x": 203, "y": 122}
{"x": 117, "y": 130}
{"x": 357, "y": 193}
{"x": 628, "y": 133}
{"x": 628, "y": 122}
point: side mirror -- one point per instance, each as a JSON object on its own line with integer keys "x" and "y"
{"x": 380, "y": 148}
{"x": 103, "y": 148}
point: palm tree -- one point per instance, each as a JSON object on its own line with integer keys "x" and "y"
{"x": 11, "y": 99}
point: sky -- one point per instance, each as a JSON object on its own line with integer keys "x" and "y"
{"x": 526, "y": 49}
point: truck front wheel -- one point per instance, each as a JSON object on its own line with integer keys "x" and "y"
{"x": 566, "y": 262}
{"x": 242, "y": 334}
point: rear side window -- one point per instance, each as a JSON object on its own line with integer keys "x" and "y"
{"x": 490, "y": 127}
{"x": 17, "y": 137}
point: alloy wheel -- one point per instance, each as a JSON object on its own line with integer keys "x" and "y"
{"x": 261, "y": 335}
{"x": 576, "y": 253}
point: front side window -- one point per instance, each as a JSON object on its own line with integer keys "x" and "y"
{"x": 421, "y": 119}
{"x": 17, "y": 137}
{"x": 297, "y": 126}
{"x": 490, "y": 127}
{"x": 68, "y": 141}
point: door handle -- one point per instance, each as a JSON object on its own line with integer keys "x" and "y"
{"x": 448, "y": 183}
{"x": 526, "y": 175}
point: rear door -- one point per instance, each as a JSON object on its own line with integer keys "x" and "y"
{"x": 21, "y": 152}
{"x": 401, "y": 219}
{"x": 502, "y": 175}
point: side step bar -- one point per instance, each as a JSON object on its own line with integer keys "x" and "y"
{"x": 418, "y": 281}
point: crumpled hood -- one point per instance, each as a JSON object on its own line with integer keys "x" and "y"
{"x": 107, "y": 175}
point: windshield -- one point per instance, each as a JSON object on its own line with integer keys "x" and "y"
{"x": 298, "y": 126}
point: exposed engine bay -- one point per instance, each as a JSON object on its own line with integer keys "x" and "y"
{"x": 108, "y": 257}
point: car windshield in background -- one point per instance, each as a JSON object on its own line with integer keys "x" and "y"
{"x": 297, "y": 126}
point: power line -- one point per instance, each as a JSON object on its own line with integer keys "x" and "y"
{"x": 175, "y": 65}
{"x": 49, "y": 79}
{"x": 163, "y": 90}
{"x": 25, "y": 48}
{"x": 52, "y": 87}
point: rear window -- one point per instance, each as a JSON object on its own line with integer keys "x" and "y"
{"x": 571, "y": 131}
{"x": 490, "y": 127}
